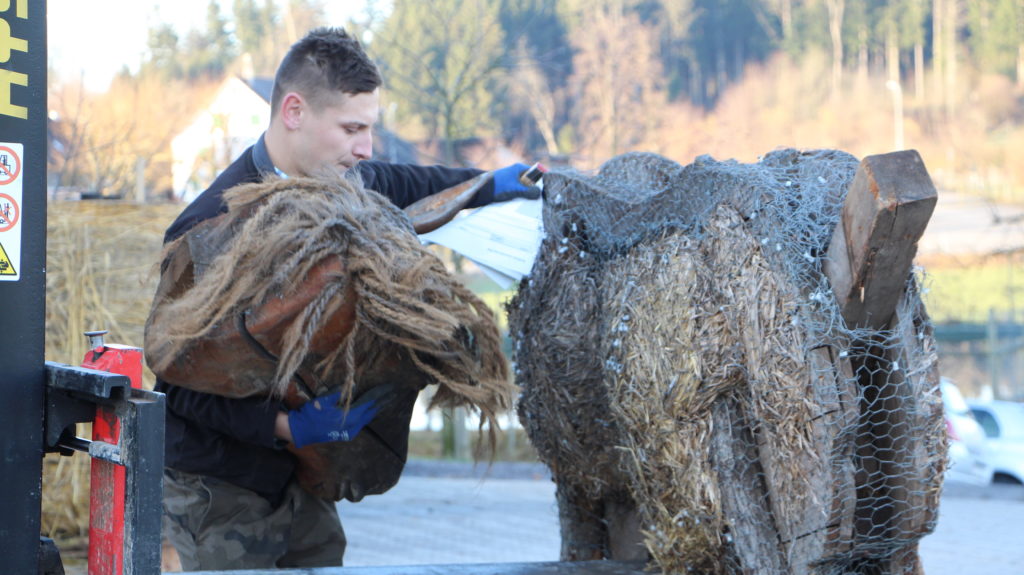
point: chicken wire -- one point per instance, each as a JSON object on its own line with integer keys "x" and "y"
{"x": 679, "y": 348}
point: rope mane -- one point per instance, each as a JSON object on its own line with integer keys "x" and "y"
{"x": 280, "y": 229}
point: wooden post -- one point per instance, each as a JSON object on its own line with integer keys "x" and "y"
{"x": 745, "y": 497}
{"x": 461, "y": 434}
{"x": 884, "y": 215}
{"x": 511, "y": 441}
{"x": 869, "y": 263}
{"x": 992, "y": 339}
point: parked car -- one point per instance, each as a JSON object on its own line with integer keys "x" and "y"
{"x": 1003, "y": 424}
{"x": 968, "y": 449}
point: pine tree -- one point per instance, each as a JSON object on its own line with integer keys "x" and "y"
{"x": 163, "y": 58}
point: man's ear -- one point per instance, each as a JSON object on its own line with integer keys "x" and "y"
{"x": 293, "y": 106}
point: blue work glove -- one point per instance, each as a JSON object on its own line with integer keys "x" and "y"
{"x": 508, "y": 187}
{"x": 322, "y": 420}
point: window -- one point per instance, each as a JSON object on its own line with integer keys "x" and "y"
{"x": 988, "y": 423}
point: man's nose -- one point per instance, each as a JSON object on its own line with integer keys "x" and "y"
{"x": 363, "y": 148}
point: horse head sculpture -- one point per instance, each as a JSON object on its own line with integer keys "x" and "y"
{"x": 304, "y": 286}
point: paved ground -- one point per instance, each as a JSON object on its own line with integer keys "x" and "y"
{"x": 451, "y": 514}
{"x": 438, "y": 515}
{"x": 981, "y": 530}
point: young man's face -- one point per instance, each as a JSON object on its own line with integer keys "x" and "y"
{"x": 338, "y": 136}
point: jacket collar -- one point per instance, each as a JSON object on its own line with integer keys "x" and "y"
{"x": 261, "y": 158}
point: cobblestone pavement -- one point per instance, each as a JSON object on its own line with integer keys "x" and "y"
{"x": 439, "y": 520}
{"x": 980, "y": 531}
{"x": 448, "y": 514}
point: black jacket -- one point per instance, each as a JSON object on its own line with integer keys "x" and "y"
{"x": 233, "y": 439}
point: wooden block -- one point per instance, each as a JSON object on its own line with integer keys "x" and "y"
{"x": 842, "y": 513}
{"x": 745, "y": 500}
{"x": 584, "y": 537}
{"x": 836, "y": 395}
{"x": 901, "y": 437}
{"x": 815, "y": 525}
{"x": 884, "y": 215}
{"x": 918, "y": 418}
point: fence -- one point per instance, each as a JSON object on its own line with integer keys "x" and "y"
{"x": 986, "y": 360}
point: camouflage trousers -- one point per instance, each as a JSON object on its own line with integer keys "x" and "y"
{"x": 215, "y": 525}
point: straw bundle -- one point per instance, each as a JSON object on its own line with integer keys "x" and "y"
{"x": 660, "y": 391}
{"x": 101, "y": 272}
{"x": 678, "y": 346}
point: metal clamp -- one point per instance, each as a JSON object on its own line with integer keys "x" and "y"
{"x": 72, "y": 394}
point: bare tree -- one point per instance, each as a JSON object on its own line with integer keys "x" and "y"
{"x": 107, "y": 137}
{"x": 530, "y": 87}
{"x": 441, "y": 60}
{"x": 914, "y": 25}
{"x": 835, "y": 31}
{"x": 951, "y": 17}
{"x": 617, "y": 80}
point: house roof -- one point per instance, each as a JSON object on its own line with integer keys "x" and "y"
{"x": 262, "y": 85}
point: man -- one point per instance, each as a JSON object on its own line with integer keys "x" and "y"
{"x": 230, "y": 497}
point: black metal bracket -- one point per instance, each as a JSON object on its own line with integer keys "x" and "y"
{"x": 72, "y": 394}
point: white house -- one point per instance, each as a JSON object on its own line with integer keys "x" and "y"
{"x": 233, "y": 121}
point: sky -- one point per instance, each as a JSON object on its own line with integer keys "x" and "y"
{"x": 95, "y": 38}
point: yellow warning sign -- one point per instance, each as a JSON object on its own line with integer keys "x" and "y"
{"x": 6, "y": 267}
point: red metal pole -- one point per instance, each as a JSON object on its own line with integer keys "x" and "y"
{"x": 108, "y": 480}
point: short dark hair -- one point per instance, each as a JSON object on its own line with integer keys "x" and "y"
{"x": 326, "y": 61}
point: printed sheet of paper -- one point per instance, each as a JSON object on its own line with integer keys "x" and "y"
{"x": 503, "y": 239}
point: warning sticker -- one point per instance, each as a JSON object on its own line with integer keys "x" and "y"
{"x": 10, "y": 165}
{"x": 8, "y": 212}
{"x": 11, "y": 169}
{"x": 6, "y": 267}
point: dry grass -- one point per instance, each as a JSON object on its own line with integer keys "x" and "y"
{"x": 660, "y": 393}
{"x": 102, "y": 260}
{"x": 695, "y": 323}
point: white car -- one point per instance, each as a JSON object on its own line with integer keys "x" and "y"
{"x": 1003, "y": 423}
{"x": 968, "y": 449}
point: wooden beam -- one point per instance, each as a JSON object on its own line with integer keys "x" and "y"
{"x": 745, "y": 498}
{"x": 884, "y": 215}
{"x": 873, "y": 246}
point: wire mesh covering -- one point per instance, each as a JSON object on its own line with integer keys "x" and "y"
{"x": 687, "y": 374}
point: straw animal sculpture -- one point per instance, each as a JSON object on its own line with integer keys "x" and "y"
{"x": 689, "y": 380}
{"x": 309, "y": 285}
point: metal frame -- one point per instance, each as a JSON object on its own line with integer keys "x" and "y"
{"x": 23, "y": 113}
{"x": 73, "y": 393}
